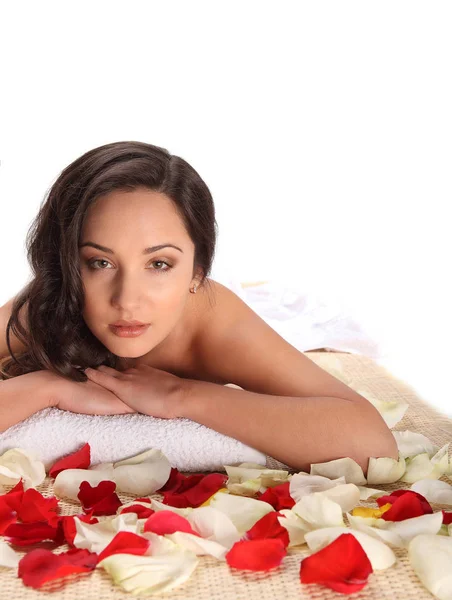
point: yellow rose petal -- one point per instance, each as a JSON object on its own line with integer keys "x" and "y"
{"x": 373, "y": 513}
{"x": 207, "y": 502}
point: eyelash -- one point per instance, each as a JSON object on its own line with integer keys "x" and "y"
{"x": 91, "y": 263}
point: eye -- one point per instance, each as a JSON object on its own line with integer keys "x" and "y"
{"x": 92, "y": 263}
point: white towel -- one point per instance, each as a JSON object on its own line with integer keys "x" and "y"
{"x": 52, "y": 433}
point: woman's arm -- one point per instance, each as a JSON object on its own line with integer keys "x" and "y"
{"x": 5, "y": 313}
{"x": 25, "y": 395}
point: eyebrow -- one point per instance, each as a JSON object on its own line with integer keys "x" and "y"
{"x": 145, "y": 251}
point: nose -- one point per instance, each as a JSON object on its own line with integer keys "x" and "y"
{"x": 128, "y": 292}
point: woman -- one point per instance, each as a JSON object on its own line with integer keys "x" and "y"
{"x": 127, "y": 234}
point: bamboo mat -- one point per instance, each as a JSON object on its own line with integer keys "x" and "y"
{"x": 215, "y": 580}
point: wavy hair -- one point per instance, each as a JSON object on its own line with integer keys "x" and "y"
{"x": 58, "y": 338}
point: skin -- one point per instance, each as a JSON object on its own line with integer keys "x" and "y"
{"x": 129, "y": 285}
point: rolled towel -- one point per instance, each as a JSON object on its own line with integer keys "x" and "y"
{"x": 52, "y": 433}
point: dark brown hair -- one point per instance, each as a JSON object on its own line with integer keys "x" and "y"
{"x": 58, "y": 338}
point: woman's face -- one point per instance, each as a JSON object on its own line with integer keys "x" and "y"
{"x": 128, "y": 283}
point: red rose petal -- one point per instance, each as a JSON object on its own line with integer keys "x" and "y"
{"x": 7, "y": 516}
{"x": 447, "y": 517}
{"x": 193, "y": 497}
{"x": 278, "y": 496}
{"x": 256, "y": 555}
{"x": 78, "y": 460}
{"x": 41, "y": 566}
{"x": 342, "y": 566}
{"x": 167, "y": 521}
{"x": 382, "y": 500}
{"x": 268, "y": 527}
{"x": 34, "y": 507}
{"x": 125, "y": 542}
{"x": 100, "y": 499}
{"x": 24, "y": 534}
{"x": 142, "y": 511}
{"x": 407, "y": 506}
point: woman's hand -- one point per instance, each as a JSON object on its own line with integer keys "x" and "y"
{"x": 144, "y": 389}
{"x": 87, "y": 397}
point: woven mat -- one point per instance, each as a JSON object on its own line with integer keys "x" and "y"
{"x": 215, "y": 580}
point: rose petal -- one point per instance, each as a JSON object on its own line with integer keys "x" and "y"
{"x": 125, "y": 542}
{"x": 77, "y": 460}
{"x": 379, "y": 554}
{"x": 422, "y": 466}
{"x": 150, "y": 574}
{"x": 342, "y": 566}
{"x": 411, "y": 443}
{"x": 17, "y": 463}
{"x": 199, "y": 493}
{"x": 302, "y": 484}
{"x": 166, "y": 521}
{"x": 434, "y": 490}
{"x": 101, "y": 499}
{"x": 407, "y": 506}
{"x": 340, "y": 467}
{"x": 215, "y": 525}
{"x": 67, "y": 483}
{"x": 319, "y": 511}
{"x": 346, "y": 495}
{"x": 268, "y": 527}
{"x": 40, "y": 566}
{"x": 256, "y": 555}
{"x": 279, "y": 496}
{"x": 243, "y": 512}
{"x": 366, "y": 492}
{"x": 198, "y": 545}
{"x": 296, "y": 527}
{"x": 385, "y": 470}
{"x": 8, "y": 556}
{"x": 96, "y": 537}
{"x": 431, "y": 557}
{"x": 142, "y": 474}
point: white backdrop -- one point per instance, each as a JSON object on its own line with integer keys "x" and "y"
{"x": 322, "y": 130}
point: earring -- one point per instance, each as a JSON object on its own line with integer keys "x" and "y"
{"x": 193, "y": 290}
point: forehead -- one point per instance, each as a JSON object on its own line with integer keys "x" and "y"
{"x": 141, "y": 213}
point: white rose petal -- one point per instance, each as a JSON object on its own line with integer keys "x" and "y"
{"x": 411, "y": 443}
{"x": 143, "y": 574}
{"x": 366, "y": 492}
{"x": 434, "y": 490}
{"x": 385, "y": 470}
{"x": 341, "y": 467}
{"x": 8, "y": 556}
{"x": 142, "y": 474}
{"x": 431, "y": 559}
{"x": 213, "y": 524}
{"x": 302, "y": 484}
{"x": 95, "y": 537}
{"x": 422, "y": 466}
{"x": 346, "y": 495}
{"x": 243, "y": 512}
{"x": 16, "y": 464}
{"x": 296, "y": 527}
{"x": 318, "y": 510}
{"x": 365, "y": 524}
{"x": 198, "y": 545}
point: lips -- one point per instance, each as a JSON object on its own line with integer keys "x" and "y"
{"x": 129, "y": 331}
{"x": 122, "y": 323}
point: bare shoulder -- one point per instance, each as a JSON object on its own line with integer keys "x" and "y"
{"x": 235, "y": 345}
